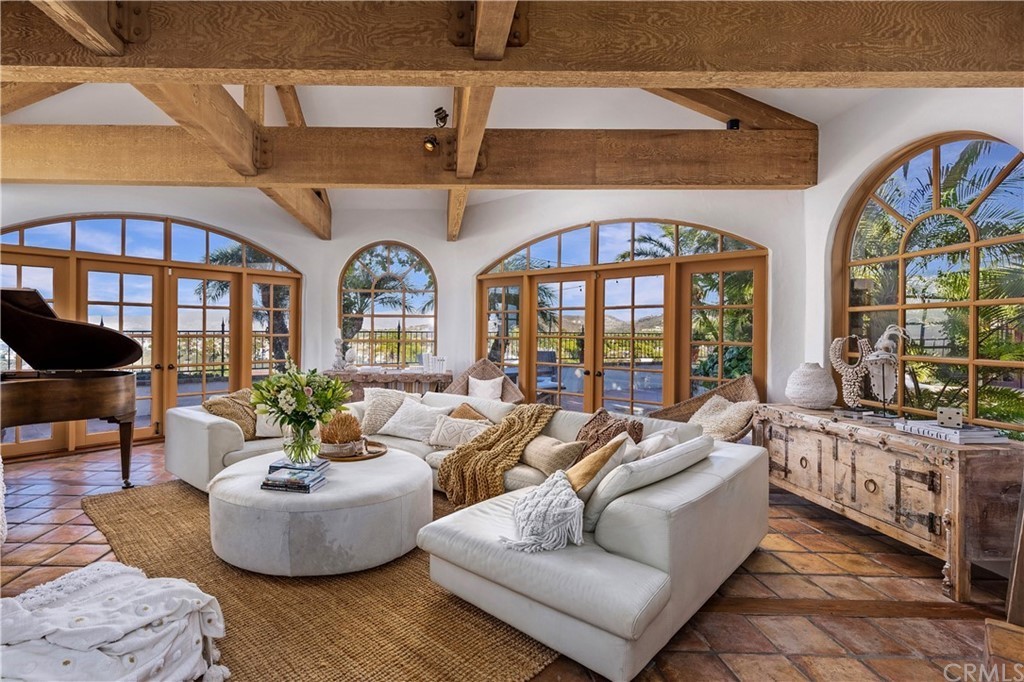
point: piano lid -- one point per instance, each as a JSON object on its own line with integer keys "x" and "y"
{"x": 46, "y": 342}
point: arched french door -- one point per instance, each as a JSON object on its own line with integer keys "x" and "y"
{"x": 629, "y": 315}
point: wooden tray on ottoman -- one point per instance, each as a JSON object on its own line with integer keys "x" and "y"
{"x": 355, "y": 451}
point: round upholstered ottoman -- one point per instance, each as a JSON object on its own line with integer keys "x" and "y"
{"x": 367, "y": 514}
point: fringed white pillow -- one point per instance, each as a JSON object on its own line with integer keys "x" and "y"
{"x": 548, "y": 517}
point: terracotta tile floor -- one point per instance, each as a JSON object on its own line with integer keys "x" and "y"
{"x": 822, "y": 598}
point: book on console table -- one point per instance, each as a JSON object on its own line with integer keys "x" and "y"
{"x": 318, "y": 464}
{"x": 965, "y": 435}
{"x": 292, "y": 481}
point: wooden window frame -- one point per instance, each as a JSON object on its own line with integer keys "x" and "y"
{"x": 841, "y": 263}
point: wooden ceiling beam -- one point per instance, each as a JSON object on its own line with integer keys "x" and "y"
{"x": 474, "y": 107}
{"x": 493, "y": 22}
{"x": 457, "y": 199}
{"x": 212, "y": 115}
{"x": 291, "y": 106}
{"x": 14, "y": 96}
{"x": 643, "y": 44}
{"x": 726, "y": 105}
{"x": 87, "y": 21}
{"x": 394, "y": 158}
{"x": 254, "y": 103}
{"x": 306, "y": 206}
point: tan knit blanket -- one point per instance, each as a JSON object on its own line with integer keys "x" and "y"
{"x": 475, "y": 471}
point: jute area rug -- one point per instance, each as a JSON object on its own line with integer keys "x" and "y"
{"x": 387, "y": 623}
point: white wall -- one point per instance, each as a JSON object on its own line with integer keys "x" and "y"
{"x": 796, "y": 227}
{"x": 854, "y": 143}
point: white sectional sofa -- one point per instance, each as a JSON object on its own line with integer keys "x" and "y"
{"x": 199, "y": 445}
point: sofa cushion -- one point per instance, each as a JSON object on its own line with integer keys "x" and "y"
{"x": 565, "y": 425}
{"x": 723, "y": 418}
{"x": 413, "y": 420}
{"x": 492, "y": 409}
{"x": 659, "y": 441}
{"x": 415, "y": 447}
{"x": 252, "y": 448}
{"x": 550, "y": 454}
{"x": 451, "y": 433}
{"x": 381, "y": 405}
{"x": 488, "y": 389}
{"x": 610, "y": 592}
{"x": 643, "y": 472}
{"x": 588, "y": 473}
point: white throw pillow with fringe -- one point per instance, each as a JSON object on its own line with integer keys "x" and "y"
{"x": 548, "y": 517}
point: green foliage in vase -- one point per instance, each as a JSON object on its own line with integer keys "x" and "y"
{"x": 298, "y": 399}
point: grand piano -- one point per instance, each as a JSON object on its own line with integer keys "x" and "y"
{"x": 73, "y": 372}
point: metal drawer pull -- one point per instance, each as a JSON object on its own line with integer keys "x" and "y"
{"x": 871, "y": 486}
{"x": 803, "y": 462}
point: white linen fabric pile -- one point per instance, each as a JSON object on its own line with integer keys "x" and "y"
{"x": 548, "y": 517}
{"x": 108, "y": 621}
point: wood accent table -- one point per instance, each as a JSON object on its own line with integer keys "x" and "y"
{"x": 956, "y": 502}
{"x": 409, "y": 382}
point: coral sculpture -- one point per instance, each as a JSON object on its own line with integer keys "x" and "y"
{"x": 344, "y": 428}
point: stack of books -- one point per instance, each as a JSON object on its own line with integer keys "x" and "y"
{"x": 295, "y": 478}
{"x": 965, "y": 435}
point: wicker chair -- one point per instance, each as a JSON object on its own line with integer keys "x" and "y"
{"x": 737, "y": 390}
{"x": 485, "y": 369}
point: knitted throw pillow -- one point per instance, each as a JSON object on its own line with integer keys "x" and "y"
{"x": 722, "y": 418}
{"x": 451, "y": 433}
{"x": 548, "y": 517}
{"x": 602, "y": 427}
{"x": 381, "y": 405}
{"x": 237, "y": 408}
{"x": 550, "y": 454}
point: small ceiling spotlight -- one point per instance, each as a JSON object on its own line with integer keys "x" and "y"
{"x": 441, "y": 117}
{"x": 430, "y": 143}
{"x": 732, "y": 124}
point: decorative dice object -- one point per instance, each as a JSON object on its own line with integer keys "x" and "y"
{"x": 951, "y": 417}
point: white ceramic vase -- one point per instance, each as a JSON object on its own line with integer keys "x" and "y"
{"x": 811, "y": 386}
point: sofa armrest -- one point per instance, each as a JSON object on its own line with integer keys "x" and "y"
{"x": 195, "y": 443}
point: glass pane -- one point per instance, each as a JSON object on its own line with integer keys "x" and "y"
{"x": 704, "y": 288}
{"x": 144, "y": 238}
{"x": 875, "y": 284}
{"x": 1002, "y": 211}
{"x": 516, "y": 262}
{"x": 12, "y": 238}
{"x": 647, "y": 386}
{"x": 1001, "y": 394}
{"x": 216, "y": 379}
{"x": 909, "y": 188}
{"x": 188, "y": 244}
{"x": 544, "y": 254}
{"x": 649, "y": 352}
{"x": 967, "y": 167}
{"x": 225, "y": 251}
{"x": 731, "y": 244}
{"x": 574, "y": 294}
{"x": 137, "y": 318}
{"x": 99, "y": 426}
{"x": 738, "y": 287}
{"x": 1001, "y": 332}
{"x": 650, "y": 290}
{"x": 618, "y": 323}
{"x": 98, "y": 235}
{"x": 8, "y": 275}
{"x": 928, "y": 386}
{"x": 281, "y": 267}
{"x": 38, "y": 278}
{"x": 56, "y": 236}
{"x": 618, "y": 292}
{"x": 614, "y": 242}
{"x": 495, "y": 298}
{"x": 104, "y": 315}
{"x": 704, "y": 325}
{"x": 190, "y": 320}
{"x": 940, "y": 332}
{"x": 571, "y": 402}
{"x": 704, "y": 361}
{"x": 870, "y": 325}
{"x": 575, "y": 247}
{"x": 572, "y": 379}
{"x": 1001, "y": 273}
{"x": 739, "y": 324}
{"x": 938, "y": 277}
{"x": 256, "y": 259}
{"x": 281, "y": 321}
{"x": 218, "y": 320}
{"x": 190, "y": 292}
{"x": 737, "y": 361}
{"x": 104, "y": 286}
{"x": 648, "y": 321}
{"x": 218, "y": 292}
{"x": 618, "y": 407}
{"x": 693, "y": 240}
{"x": 654, "y": 240}
{"x": 938, "y": 231}
{"x": 138, "y": 288}
{"x": 616, "y": 384}
{"x": 419, "y": 303}
{"x": 700, "y": 387}
{"x": 877, "y": 234}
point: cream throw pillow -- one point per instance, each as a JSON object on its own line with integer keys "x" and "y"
{"x": 489, "y": 389}
{"x": 588, "y": 473}
{"x": 659, "y": 441}
{"x": 722, "y": 418}
{"x": 381, "y": 405}
{"x": 413, "y": 420}
{"x": 451, "y": 433}
{"x": 550, "y": 454}
{"x": 643, "y": 472}
{"x": 266, "y": 428}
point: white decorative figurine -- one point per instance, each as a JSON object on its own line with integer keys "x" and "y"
{"x": 882, "y": 364}
{"x": 340, "y": 358}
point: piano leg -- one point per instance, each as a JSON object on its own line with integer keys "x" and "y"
{"x": 126, "y": 428}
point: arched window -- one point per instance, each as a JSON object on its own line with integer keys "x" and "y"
{"x": 934, "y": 242}
{"x": 387, "y": 305}
{"x": 212, "y": 311}
{"x": 628, "y": 314}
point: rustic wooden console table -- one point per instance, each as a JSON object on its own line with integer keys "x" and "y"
{"x": 411, "y": 382}
{"x": 956, "y": 502}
